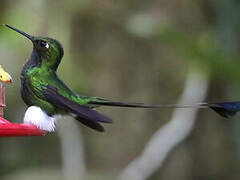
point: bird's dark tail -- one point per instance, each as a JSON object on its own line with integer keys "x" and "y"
{"x": 225, "y": 109}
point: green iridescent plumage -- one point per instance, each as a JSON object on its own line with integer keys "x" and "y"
{"x": 40, "y": 85}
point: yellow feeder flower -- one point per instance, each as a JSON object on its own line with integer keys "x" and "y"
{"x": 4, "y": 76}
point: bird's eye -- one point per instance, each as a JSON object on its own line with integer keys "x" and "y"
{"x": 0, "y": 76}
{"x": 44, "y": 44}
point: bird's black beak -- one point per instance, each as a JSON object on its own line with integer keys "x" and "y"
{"x": 21, "y": 32}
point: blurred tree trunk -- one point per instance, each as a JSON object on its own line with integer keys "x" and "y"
{"x": 72, "y": 147}
{"x": 170, "y": 135}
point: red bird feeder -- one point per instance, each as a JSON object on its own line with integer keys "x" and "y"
{"x": 8, "y": 129}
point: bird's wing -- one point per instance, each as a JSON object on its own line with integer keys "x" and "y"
{"x": 85, "y": 114}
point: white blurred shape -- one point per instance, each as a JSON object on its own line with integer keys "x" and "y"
{"x": 35, "y": 115}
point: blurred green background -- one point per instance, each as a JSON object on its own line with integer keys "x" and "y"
{"x": 129, "y": 50}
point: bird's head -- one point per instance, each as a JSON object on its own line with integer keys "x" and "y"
{"x": 49, "y": 50}
{"x": 4, "y": 76}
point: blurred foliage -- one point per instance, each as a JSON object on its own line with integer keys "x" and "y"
{"x": 134, "y": 51}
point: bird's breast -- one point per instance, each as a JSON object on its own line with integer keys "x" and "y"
{"x": 26, "y": 92}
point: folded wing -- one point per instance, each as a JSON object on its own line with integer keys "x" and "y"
{"x": 84, "y": 114}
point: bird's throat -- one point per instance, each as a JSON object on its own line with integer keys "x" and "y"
{"x": 34, "y": 61}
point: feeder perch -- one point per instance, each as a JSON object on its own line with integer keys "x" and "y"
{"x": 8, "y": 129}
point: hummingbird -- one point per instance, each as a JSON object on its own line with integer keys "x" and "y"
{"x": 47, "y": 96}
{"x": 4, "y": 76}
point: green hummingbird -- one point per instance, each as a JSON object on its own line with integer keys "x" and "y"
{"x": 47, "y": 96}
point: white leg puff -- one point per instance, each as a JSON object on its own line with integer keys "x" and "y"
{"x": 35, "y": 115}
